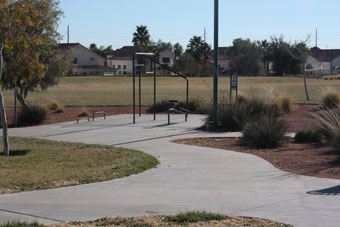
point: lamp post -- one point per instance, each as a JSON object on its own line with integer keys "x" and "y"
{"x": 215, "y": 63}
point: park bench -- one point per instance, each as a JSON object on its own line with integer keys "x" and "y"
{"x": 98, "y": 112}
{"x": 172, "y": 109}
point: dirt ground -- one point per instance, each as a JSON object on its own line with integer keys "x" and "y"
{"x": 299, "y": 118}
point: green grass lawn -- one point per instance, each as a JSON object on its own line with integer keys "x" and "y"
{"x": 111, "y": 91}
{"x": 40, "y": 164}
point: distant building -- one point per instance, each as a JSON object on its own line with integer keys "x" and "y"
{"x": 121, "y": 59}
{"x": 85, "y": 61}
{"x": 223, "y": 59}
{"x": 323, "y": 61}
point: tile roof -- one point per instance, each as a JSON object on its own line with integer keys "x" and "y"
{"x": 124, "y": 53}
{"x": 325, "y": 55}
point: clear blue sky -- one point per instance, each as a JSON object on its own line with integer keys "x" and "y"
{"x": 112, "y": 22}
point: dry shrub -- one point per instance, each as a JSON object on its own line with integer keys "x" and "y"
{"x": 84, "y": 113}
{"x": 329, "y": 125}
{"x": 55, "y": 106}
{"x": 330, "y": 99}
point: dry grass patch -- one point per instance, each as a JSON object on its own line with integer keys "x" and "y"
{"x": 155, "y": 221}
{"x": 41, "y": 164}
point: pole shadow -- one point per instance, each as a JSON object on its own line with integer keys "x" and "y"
{"x": 327, "y": 191}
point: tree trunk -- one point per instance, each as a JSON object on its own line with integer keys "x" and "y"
{"x": 3, "y": 111}
{"x": 20, "y": 96}
{"x": 306, "y": 89}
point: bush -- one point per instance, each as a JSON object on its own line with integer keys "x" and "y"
{"x": 84, "y": 113}
{"x": 330, "y": 99}
{"x": 233, "y": 116}
{"x": 286, "y": 103}
{"x": 190, "y": 217}
{"x": 264, "y": 132}
{"x": 159, "y": 107}
{"x": 32, "y": 115}
{"x": 329, "y": 125}
{"x": 56, "y": 107}
{"x": 308, "y": 136}
{"x": 241, "y": 98}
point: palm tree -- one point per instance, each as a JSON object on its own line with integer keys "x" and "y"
{"x": 141, "y": 38}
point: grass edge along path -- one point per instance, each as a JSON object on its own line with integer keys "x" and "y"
{"x": 42, "y": 164}
{"x": 182, "y": 219}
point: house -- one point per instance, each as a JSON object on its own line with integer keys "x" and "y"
{"x": 86, "y": 62}
{"x": 122, "y": 59}
{"x": 323, "y": 61}
{"x": 223, "y": 59}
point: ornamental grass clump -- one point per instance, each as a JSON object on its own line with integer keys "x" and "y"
{"x": 55, "y": 106}
{"x": 264, "y": 132}
{"x": 330, "y": 99}
{"x": 328, "y": 121}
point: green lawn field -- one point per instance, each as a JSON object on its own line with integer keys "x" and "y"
{"x": 117, "y": 91}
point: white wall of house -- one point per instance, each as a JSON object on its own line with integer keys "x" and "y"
{"x": 166, "y": 56}
{"x": 316, "y": 65}
{"x": 124, "y": 67}
{"x": 336, "y": 62}
{"x": 86, "y": 57}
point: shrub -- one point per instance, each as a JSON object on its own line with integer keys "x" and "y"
{"x": 264, "y": 132}
{"x": 308, "y": 136}
{"x": 286, "y": 103}
{"x": 188, "y": 217}
{"x": 241, "y": 98}
{"x": 329, "y": 125}
{"x": 233, "y": 116}
{"x": 159, "y": 107}
{"x": 21, "y": 224}
{"x": 56, "y": 106}
{"x": 330, "y": 99}
{"x": 84, "y": 113}
{"x": 32, "y": 115}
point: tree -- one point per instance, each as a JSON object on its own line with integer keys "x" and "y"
{"x": 178, "y": 50}
{"x": 102, "y": 51}
{"x": 245, "y": 57}
{"x": 288, "y": 58}
{"x": 266, "y": 57}
{"x": 200, "y": 51}
{"x": 31, "y": 59}
{"x": 141, "y": 38}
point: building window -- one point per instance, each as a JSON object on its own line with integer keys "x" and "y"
{"x": 119, "y": 67}
{"x": 92, "y": 59}
{"x": 113, "y": 66}
{"x": 166, "y": 60}
{"x": 75, "y": 61}
{"x": 124, "y": 73}
{"x": 119, "y": 73}
{"x": 124, "y": 66}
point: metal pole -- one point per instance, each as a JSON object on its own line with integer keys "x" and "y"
{"x": 140, "y": 90}
{"x": 187, "y": 100}
{"x": 134, "y": 88}
{"x": 215, "y": 62}
{"x": 15, "y": 105}
{"x": 154, "y": 88}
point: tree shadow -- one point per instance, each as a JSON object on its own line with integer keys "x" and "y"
{"x": 327, "y": 191}
{"x": 16, "y": 153}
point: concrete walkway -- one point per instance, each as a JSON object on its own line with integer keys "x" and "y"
{"x": 188, "y": 178}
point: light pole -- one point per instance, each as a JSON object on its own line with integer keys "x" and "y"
{"x": 215, "y": 62}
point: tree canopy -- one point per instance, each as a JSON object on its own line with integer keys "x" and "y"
{"x": 141, "y": 38}
{"x": 28, "y": 30}
{"x": 102, "y": 51}
{"x": 245, "y": 57}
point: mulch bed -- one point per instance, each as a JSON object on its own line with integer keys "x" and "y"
{"x": 316, "y": 159}
{"x": 71, "y": 113}
{"x": 299, "y": 118}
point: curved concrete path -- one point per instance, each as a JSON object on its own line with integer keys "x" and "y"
{"x": 187, "y": 178}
